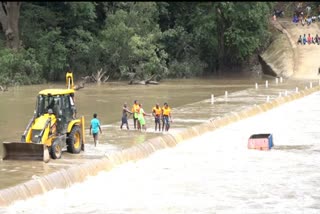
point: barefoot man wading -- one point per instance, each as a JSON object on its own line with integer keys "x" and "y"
{"x": 95, "y": 127}
{"x": 124, "y": 119}
{"x": 156, "y": 112}
{"x": 166, "y": 115}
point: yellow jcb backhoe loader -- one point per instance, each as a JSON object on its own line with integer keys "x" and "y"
{"x": 53, "y": 127}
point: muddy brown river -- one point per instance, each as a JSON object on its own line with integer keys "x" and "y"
{"x": 189, "y": 100}
{"x": 17, "y": 105}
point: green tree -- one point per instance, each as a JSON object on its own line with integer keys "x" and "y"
{"x": 19, "y": 67}
{"x": 241, "y": 28}
{"x": 215, "y": 34}
{"x": 141, "y": 39}
{"x": 130, "y": 41}
{"x": 52, "y": 54}
{"x": 61, "y": 34}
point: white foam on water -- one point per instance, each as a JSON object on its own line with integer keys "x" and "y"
{"x": 190, "y": 120}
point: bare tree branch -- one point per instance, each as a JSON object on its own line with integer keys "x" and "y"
{"x": 9, "y": 19}
{"x": 3, "y": 16}
{"x": 3, "y": 88}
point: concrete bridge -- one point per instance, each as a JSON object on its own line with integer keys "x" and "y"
{"x": 284, "y": 57}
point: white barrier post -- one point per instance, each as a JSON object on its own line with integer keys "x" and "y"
{"x": 212, "y": 99}
{"x": 310, "y": 84}
{"x": 281, "y": 80}
{"x": 266, "y": 83}
{"x": 297, "y": 89}
{"x": 226, "y": 95}
{"x": 256, "y": 85}
{"x": 277, "y": 80}
{"x": 268, "y": 99}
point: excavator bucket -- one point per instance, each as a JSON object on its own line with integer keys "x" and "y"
{"x": 25, "y": 151}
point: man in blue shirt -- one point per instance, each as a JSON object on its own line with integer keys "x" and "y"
{"x": 95, "y": 127}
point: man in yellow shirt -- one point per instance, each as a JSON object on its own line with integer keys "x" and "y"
{"x": 156, "y": 112}
{"x": 135, "y": 110}
{"x": 166, "y": 114}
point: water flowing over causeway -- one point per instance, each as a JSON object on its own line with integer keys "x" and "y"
{"x": 64, "y": 178}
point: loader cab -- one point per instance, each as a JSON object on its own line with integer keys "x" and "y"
{"x": 61, "y": 102}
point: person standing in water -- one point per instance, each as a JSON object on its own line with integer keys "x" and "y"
{"x": 141, "y": 118}
{"x": 95, "y": 127}
{"x": 166, "y": 114}
{"x": 135, "y": 111}
{"x": 156, "y": 112}
{"x": 124, "y": 118}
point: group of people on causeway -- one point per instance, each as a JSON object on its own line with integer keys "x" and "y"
{"x": 305, "y": 18}
{"x": 309, "y": 39}
{"x": 160, "y": 114}
{"x": 302, "y": 14}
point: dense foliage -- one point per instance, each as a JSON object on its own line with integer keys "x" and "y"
{"x": 166, "y": 39}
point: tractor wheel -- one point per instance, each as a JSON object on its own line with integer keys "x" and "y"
{"x": 74, "y": 140}
{"x": 56, "y": 150}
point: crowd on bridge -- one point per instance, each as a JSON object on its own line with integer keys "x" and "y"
{"x": 300, "y": 15}
{"x": 305, "y": 19}
{"x": 309, "y": 39}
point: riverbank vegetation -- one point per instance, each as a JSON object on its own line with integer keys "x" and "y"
{"x": 41, "y": 40}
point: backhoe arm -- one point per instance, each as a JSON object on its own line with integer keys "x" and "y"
{"x": 69, "y": 80}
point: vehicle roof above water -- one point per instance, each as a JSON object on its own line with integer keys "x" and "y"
{"x": 55, "y": 91}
